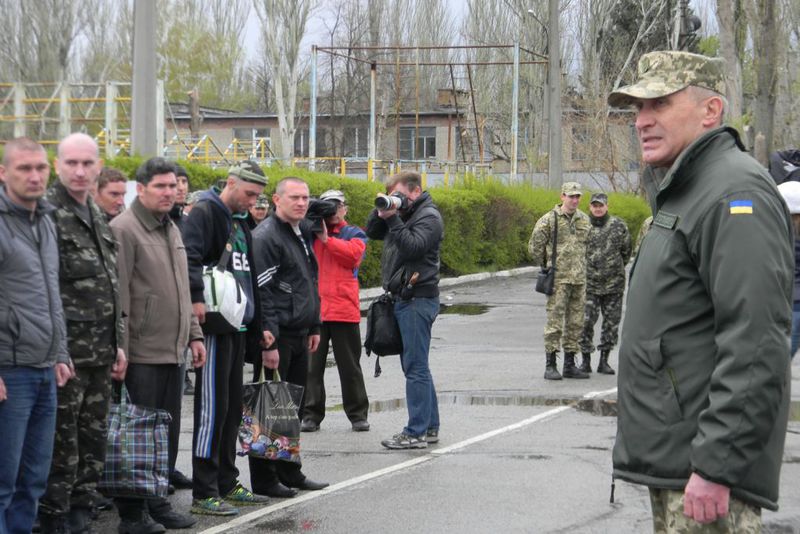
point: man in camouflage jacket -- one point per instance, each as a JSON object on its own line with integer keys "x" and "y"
{"x": 89, "y": 292}
{"x": 565, "y": 305}
{"x": 607, "y": 252}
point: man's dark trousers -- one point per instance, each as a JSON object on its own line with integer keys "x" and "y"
{"x": 346, "y": 341}
{"x": 158, "y": 386}
{"x": 293, "y": 368}
{"x": 217, "y": 414}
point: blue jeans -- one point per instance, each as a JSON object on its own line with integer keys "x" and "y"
{"x": 415, "y": 318}
{"x": 27, "y": 431}
{"x": 795, "y": 329}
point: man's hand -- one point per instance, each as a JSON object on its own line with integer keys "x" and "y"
{"x": 313, "y": 342}
{"x": 199, "y": 311}
{"x": 198, "y": 353}
{"x": 323, "y": 235}
{"x": 63, "y": 373}
{"x": 385, "y": 214}
{"x": 270, "y": 358}
{"x": 705, "y": 501}
{"x": 120, "y": 366}
{"x": 269, "y": 339}
{"x": 3, "y": 391}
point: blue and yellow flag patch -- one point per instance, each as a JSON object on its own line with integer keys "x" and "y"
{"x": 739, "y": 207}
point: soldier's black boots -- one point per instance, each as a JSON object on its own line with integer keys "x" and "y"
{"x": 551, "y": 369}
{"x": 570, "y": 369}
{"x": 55, "y": 524}
{"x": 603, "y": 366}
{"x": 586, "y": 363}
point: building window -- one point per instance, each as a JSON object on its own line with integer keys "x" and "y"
{"x": 355, "y": 142}
{"x": 301, "y": 143}
{"x": 423, "y": 147}
{"x": 249, "y": 135}
{"x": 581, "y": 143}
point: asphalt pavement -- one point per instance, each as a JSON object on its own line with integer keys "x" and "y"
{"x": 516, "y": 453}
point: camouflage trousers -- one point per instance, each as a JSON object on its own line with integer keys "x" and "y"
{"x": 564, "y": 317}
{"x": 611, "y": 308}
{"x": 668, "y": 516}
{"x": 80, "y": 443}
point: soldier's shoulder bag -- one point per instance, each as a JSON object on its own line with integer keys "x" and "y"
{"x": 224, "y": 297}
{"x": 546, "y": 279}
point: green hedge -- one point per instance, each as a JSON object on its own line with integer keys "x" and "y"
{"x": 487, "y": 224}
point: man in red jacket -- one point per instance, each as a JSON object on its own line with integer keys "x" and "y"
{"x": 339, "y": 251}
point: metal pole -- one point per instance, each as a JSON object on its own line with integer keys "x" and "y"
{"x": 19, "y": 110}
{"x": 554, "y": 76}
{"x": 144, "y": 141}
{"x": 64, "y": 112}
{"x": 111, "y": 119}
{"x": 373, "y": 71}
{"x": 160, "y": 117}
{"x": 312, "y": 128}
{"x": 512, "y": 176}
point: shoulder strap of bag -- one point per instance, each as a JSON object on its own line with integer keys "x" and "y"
{"x": 222, "y": 264}
{"x": 555, "y": 238}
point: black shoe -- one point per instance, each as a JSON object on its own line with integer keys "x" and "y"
{"x": 173, "y": 520}
{"x": 101, "y": 502}
{"x": 603, "y": 367}
{"x": 309, "y": 485}
{"x": 276, "y": 490}
{"x": 180, "y": 481}
{"x": 309, "y": 426}
{"x": 188, "y": 388}
{"x": 80, "y": 520}
{"x": 551, "y": 369}
{"x": 361, "y": 426}
{"x": 144, "y": 525}
{"x": 586, "y": 363}
{"x": 54, "y": 524}
{"x": 570, "y": 369}
{"x": 170, "y": 489}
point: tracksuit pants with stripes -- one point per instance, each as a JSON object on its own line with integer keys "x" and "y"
{"x": 217, "y": 414}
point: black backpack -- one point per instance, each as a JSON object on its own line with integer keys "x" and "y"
{"x": 383, "y": 334}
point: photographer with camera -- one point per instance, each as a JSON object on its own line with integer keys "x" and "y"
{"x": 339, "y": 253}
{"x": 287, "y": 282}
{"x": 412, "y": 229}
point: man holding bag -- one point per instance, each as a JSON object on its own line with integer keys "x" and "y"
{"x": 218, "y": 222}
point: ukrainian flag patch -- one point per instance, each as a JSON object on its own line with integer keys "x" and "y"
{"x": 739, "y": 207}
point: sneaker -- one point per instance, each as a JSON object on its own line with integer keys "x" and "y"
{"x": 243, "y": 496}
{"x": 404, "y": 441}
{"x": 432, "y": 436}
{"x": 212, "y": 506}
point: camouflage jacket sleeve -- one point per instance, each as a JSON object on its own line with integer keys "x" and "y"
{"x": 624, "y": 237}
{"x": 539, "y": 244}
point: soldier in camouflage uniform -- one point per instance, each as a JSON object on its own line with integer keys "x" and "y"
{"x": 565, "y": 305}
{"x": 607, "y": 252}
{"x": 88, "y": 284}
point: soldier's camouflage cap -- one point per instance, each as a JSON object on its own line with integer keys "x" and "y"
{"x": 602, "y": 198}
{"x": 249, "y": 171}
{"x": 262, "y": 202}
{"x": 667, "y": 72}
{"x": 571, "y": 188}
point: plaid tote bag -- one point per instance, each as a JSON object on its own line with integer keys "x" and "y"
{"x": 137, "y": 463}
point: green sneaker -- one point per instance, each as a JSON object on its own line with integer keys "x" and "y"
{"x": 212, "y": 506}
{"x": 243, "y": 496}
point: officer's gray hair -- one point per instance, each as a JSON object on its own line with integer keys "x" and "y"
{"x": 701, "y": 93}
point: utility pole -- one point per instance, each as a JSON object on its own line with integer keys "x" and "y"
{"x": 144, "y": 128}
{"x": 554, "y": 158}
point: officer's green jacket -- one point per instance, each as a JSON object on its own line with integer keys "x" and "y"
{"x": 704, "y": 359}
{"x": 571, "y": 247}
{"x": 87, "y": 279}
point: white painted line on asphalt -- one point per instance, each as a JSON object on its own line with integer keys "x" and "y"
{"x": 248, "y": 519}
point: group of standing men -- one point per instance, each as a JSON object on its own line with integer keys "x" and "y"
{"x": 590, "y": 254}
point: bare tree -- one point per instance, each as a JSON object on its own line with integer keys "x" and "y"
{"x": 283, "y": 26}
{"x": 765, "y": 33}
{"x": 732, "y": 35}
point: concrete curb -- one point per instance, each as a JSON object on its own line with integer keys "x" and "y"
{"x": 371, "y": 293}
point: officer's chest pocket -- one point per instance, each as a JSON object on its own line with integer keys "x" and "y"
{"x": 79, "y": 258}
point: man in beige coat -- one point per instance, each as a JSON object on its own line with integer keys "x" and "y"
{"x": 158, "y": 326}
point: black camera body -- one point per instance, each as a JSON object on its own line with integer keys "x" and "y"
{"x": 318, "y": 211}
{"x": 396, "y": 200}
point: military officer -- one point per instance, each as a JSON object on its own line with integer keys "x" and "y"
{"x": 607, "y": 251}
{"x": 565, "y": 305}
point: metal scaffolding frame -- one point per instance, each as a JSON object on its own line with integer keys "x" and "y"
{"x": 347, "y": 53}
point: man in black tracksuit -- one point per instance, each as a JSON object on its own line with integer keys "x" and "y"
{"x": 217, "y": 222}
{"x": 290, "y": 315}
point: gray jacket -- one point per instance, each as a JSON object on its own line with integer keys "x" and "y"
{"x": 32, "y": 329}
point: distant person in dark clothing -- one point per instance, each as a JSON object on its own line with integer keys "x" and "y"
{"x": 791, "y": 194}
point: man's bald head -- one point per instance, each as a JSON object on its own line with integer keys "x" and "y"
{"x": 77, "y": 139}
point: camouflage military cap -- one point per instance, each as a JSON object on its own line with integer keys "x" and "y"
{"x": 249, "y": 171}
{"x": 601, "y": 198}
{"x": 667, "y": 72}
{"x": 262, "y": 202}
{"x": 571, "y": 188}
